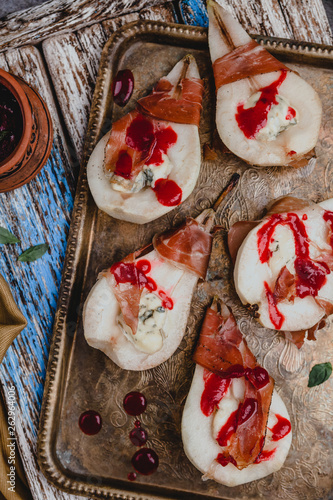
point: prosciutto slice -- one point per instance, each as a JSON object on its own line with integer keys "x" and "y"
{"x": 180, "y": 103}
{"x": 126, "y": 157}
{"x": 247, "y": 60}
{"x": 127, "y": 283}
{"x": 222, "y": 350}
{"x": 187, "y": 247}
{"x": 117, "y": 146}
{"x": 237, "y": 234}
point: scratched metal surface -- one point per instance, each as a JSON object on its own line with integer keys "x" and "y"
{"x": 99, "y": 465}
{"x": 41, "y": 210}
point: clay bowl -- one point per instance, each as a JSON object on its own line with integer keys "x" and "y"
{"x": 34, "y": 145}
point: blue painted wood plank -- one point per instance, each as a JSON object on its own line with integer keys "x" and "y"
{"x": 194, "y": 12}
{"x": 37, "y": 212}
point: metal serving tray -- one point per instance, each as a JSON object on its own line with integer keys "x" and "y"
{"x": 81, "y": 378}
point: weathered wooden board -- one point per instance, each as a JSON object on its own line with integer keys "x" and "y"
{"x": 295, "y": 19}
{"x": 41, "y": 210}
{"x": 73, "y": 61}
{"x": 37, "y": 212}
{"x": 42, "y": 21}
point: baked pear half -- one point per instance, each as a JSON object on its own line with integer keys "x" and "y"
{"x": 265, "y": 112}
{"x": 150, "y": 160}
{"x": 137, "y": 311}
{"x": 235, "y": 427}
{"x": 283, "y": 268}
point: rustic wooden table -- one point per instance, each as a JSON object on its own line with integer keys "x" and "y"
{"x": 56, "y": 48}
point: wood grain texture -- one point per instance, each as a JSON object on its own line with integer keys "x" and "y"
{"x": 294, "y": 19}
{"x": 53, "y": 17}
{"x": 38, "y": 212}
{"x": 41, "y": 210}
{"x": 73, "y": 61}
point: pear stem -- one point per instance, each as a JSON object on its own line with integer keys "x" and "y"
{"x": 229, "y": 187}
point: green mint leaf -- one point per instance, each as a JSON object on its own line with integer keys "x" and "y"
{"x": 33, "y": 253}
{"x": 319, "y": 374}
{"x": 3, "y": 134}
{"x": 7, "y": 237}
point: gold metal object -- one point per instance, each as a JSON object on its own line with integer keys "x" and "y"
{"x": 81, "y": 378}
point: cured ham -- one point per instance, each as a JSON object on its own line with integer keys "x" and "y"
{"x": 177, "y": 103}
{"x": 137, "y": 311}
{"x": 222, "y": 349}
{"x": 283, "y": 267}
{"x": 136, "y": 141}
{"x": 227, "y": 422}
{"x": 187, "y": 247}
{"x": 245, "y": 61}
{"x": 265, "y": 113}
{"x": 150, "y": 160}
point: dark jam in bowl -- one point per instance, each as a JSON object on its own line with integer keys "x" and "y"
{"x": 11, "y": 123}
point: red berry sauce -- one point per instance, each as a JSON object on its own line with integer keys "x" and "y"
{"x": 168, "y": 193}
{"x": 258, "y": 376}
{"x": 281, "y": 428}
{"x": 246, "y": 409}
{"x": 152, "y": 142}
{"x": 138, "y": 436}
{"x": 215, "y": 388}
{"x": 90, "y": 422}
{"x": 251, "y": 120}
{"x": 131, "y": 476}
{"x": 124, "y": 165}
{"x": 291, "y": 113}
{"x": 134, "y": 403}
{"x": 11, "y": 123}
{"x": 122, "y": 87}
{"x": 228, "y": 429}
{"x": 264, "y": 456}
{"x": 275, "y": 315}
{"x": 167, "y": 302}
{"x": 145, "y": 461}
{"x": 135, "y": 273}
{"x": 222, "y": 460}
{"x": 310, "y": 274}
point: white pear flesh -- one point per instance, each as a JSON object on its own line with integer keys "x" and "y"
{"x": 300, "y": 138}
{"x": 202, "y": 449}
{"x": 250, "y": 273}
{"x": 102, "y": 330}
{"x": 143, "y": 206}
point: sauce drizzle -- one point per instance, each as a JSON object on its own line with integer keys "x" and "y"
{"x": 168, "y": 193}
{"x": 281, "y": 428}
{"x": 310, "y": 274}
{"x": 215, "y": 388}
{"x": 264, "y": 456}
{"x": 135, "y": 273}
{"x": 251, "y": 120}
{"x": 151, "y": 142}
{"x": 228, "y": 429}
